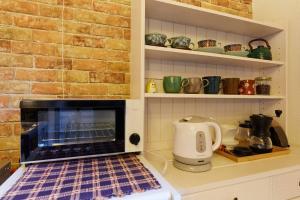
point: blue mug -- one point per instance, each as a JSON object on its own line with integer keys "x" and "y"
{"x": 214, "y": 83}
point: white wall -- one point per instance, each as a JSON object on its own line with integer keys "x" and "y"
{"x": 288, "y": 12}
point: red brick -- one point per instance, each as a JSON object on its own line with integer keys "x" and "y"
{"x": 47, "y": 62}
{"x": 21, "y": 61}
{"x": 9, "y": 115}
{"x": 122, "y": 56}
{"x": 21, "y": 47}
{"x": 6, "y": 18}
{"x": 84, "y": 41}
{"x": 127, "y": 34}
{"x": 38, "y": 75}
{"x": 112, "y": 8}
{"x": 37, "y": 22}
{"x": 119, "y": 89}
{"x": 46, "y": 49}
{"x": 5, "y": 46}
{"x": 19, "y": 6}
{"x": 114, "y": 20}
{"x": 17, "y": 129}
{"x": 4, "y": 101}
{"x": 118, "y": 66}
{"x": 6, "y": 130}
{"x": 46, "y": 36}
{"x": 6, "y": 73}
{"x": 107, "y": 31}
{"x": 47, "y": 88}
{"x": 76, "y": 76}
{"x": 117, "y": 44}
{"x": 89, "y": 65}
{"x": 50, "y": 11}
{"x": 9, "y": 143}
{"x": 86, "y": 89}
{"x": 12, "y": 87}
{"x": 87, "y": 4}
{"x": 76, "y": 27}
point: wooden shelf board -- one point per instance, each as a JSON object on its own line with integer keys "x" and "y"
{"x": 154, "y": 52}
{"x": 181, "y": 13}
{"x": 212, "y": 96}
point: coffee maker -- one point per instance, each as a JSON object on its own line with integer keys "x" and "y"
{"x": 260, "y": 141}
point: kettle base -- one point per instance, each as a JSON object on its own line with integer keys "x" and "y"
{"x": 192, "y": 168}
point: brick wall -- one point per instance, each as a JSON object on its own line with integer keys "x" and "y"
{"x": 236, "y": 7}
{"x": 60, "y": 49}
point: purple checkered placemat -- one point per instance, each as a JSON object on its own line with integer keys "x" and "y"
{"x": 93, "y": 178}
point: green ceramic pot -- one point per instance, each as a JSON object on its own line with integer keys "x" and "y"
{"x": 172, "y": 84}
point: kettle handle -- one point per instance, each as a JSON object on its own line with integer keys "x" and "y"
{"x": 218, "y": 135}
{"x": 256, "y": 40}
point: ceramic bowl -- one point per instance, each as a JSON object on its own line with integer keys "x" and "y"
{"x": 233, "y": 47}
{"x": 207, "y": 43}
{"x": 155, "y": 39}
{"x": 181, "y": 42}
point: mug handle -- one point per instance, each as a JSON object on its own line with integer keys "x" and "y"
{"x": 185, "y": 82}
{"x": 205, "y": 84}
{"x": 192, "y": 44}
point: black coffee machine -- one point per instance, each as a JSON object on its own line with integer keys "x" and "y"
{"x": 260, "y": 141}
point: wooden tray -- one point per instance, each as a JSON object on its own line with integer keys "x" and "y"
{"x": 277, "y": 151}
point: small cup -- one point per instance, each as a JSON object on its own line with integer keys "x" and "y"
{"x": 207, "y": 43}
{"x": 193, "y": 85}
{"x": 247, "y": 87}
{"x": 181, "y": 42}
{"x": 213, "y": 86}
{"x": 231, "y": 85}
{"x": 172, "y": 84}
{"x": 233, "y": 47}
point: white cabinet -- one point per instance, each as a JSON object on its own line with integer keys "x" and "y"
{"x": 286, "y": 186}
{"x": 278, "y": 187}
{"x": 258, "y": 190}
{"x": 161, "y": 109}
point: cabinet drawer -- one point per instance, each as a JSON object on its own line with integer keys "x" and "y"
{"x": 258, "y": 190}
{"x": 286, "y": 186}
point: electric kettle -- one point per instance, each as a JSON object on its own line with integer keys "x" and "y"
{"x": 193, "y": 146}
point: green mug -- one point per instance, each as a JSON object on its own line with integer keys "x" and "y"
{"x": 173, "y": 84}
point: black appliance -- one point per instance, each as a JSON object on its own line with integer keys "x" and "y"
{"x": 278, "y": 135}
{"x": 260, "y": 141}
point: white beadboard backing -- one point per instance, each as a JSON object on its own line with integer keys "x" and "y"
{"x": 161, "y": 112}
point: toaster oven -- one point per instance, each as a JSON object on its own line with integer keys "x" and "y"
{"x": 68, "y": 129}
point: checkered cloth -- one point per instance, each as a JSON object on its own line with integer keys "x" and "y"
{"x": 94, "y": 178}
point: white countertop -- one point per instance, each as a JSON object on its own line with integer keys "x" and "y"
{"x": 224, "y": 171}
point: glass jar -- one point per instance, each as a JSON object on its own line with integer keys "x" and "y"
{"x": 263, "y": 85}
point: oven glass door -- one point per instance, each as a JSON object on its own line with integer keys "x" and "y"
{"x": 70, "y": 127}
{"x": 66, "y": 133}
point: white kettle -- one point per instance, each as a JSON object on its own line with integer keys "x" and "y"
{"x": 193, "y": 146}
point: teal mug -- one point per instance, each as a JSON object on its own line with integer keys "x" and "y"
{"x": 173, "y": 84}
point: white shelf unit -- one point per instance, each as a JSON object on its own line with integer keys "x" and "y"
{"x": 153, "y": 52}
{"x": 212, "y": 96}
{"x": 176, "y": 12}
{"x": 162, "y": 109}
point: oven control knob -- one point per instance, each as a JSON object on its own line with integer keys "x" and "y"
{"x": 134, "y": 138}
